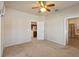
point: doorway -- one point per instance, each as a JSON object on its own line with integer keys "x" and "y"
{"x": 73, "y": 32}
{"x": 34, "y": 29}
{"x": 37, "y": 30}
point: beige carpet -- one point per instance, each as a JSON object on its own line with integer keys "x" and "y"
{"x": 40, "y": 49}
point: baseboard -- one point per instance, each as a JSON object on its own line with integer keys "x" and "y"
{"x": 57, "y": 42}
{"x": 17, "y": 43}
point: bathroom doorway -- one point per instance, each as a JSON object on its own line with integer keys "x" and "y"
{"x": 37, "y": 30}
{"x": 34, "y": 30}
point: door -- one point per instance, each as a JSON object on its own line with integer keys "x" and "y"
{"x": 40, "y": 30}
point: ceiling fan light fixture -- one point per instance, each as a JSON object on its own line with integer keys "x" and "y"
{"x": 42, "y": 9}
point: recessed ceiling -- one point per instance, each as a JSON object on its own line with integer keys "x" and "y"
{"x": 26, "y": 6}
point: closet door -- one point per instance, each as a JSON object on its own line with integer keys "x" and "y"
{"x": 40, "y": 30}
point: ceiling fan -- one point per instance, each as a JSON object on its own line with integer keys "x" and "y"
{"x": 43, "y": 6}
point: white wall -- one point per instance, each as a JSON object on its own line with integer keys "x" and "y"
{"x": 1, "y": 41}
{"x": 0, "y": 37}
{"x": 17, "y": 26}
{"x": 1, "y": 4}
{"x": 56, "y": 24}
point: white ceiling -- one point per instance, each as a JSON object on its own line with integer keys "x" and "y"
{"x": 26, "y": 6}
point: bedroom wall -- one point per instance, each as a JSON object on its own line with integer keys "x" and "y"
{"x": 1, "y": 41}
{"x": 0, "y": 38}
{"x": 17, "y": 26}
{"x": 56, "y": 24}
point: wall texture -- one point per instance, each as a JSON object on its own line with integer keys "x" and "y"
{"x": 0, "y": 36}
{"x": 1, "y": 41}
{"x": 17, "y": 26}
{"x": 56, "y": 24}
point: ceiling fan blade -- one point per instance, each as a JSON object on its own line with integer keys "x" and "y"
{"x": 34, "y": 7}
{"x": 42, "y": 3}
{"x": 50, "y": 5}
{"x": 48, "y": 9}
{"x": 39, "y": 3}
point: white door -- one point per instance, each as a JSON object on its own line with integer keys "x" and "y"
{"x": 40, "y": 30}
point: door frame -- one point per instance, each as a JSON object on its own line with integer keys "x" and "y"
{"x": 37, "y": 26}
{"x": 66, "y": 29}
